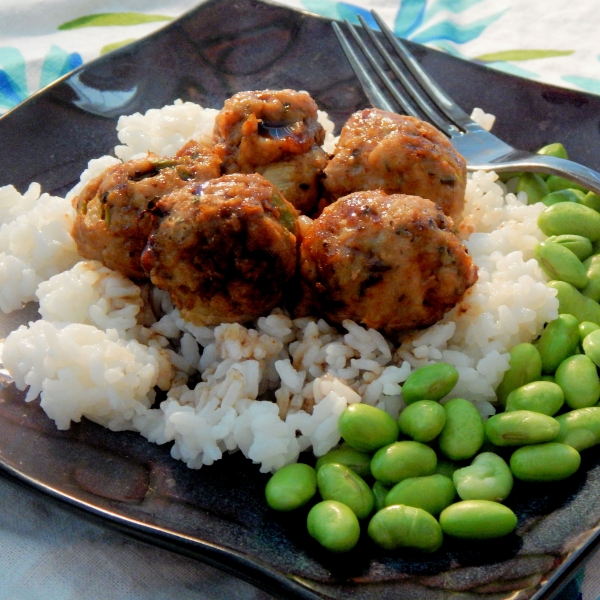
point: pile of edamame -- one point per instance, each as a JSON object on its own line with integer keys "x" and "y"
{"x": 440, "y": 469}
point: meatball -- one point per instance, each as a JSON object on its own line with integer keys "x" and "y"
{"x": 113, "y": 219}
{"x": 390, "y": 262}
{"x": 398, "y": 154}
{"x": 224, "y": 250}
{"x": 277, "y": 134}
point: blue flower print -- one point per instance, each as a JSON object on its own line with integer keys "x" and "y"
{"x": 13, "y": 73}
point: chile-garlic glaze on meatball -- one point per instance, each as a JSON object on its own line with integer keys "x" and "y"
{"x": 390, "y": 262}
{"x": 224, "y": 250}
{"x": 398, "y": 154}
{"x": 113, "y": 222}
{"x": 275, "y": 133}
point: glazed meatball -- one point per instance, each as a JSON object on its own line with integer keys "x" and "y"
{"x": 113, "y": 222}
{"x": 224, "y": 250}
{"x": 389, "y": 262}
{"x": 277, "y": 134}
{"x": 398, "y": 154}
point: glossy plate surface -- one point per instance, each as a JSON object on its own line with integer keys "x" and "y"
{"x": 218, "y": 513}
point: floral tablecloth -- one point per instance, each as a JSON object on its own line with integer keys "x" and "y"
{"x": 46, "y": 552}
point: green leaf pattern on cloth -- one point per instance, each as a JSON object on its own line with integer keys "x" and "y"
{"x": 123, "y": 19}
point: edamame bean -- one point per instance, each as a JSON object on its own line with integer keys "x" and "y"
{"x": 401, "y": 526}
{"x": 570, "y": 217}
{"x": 338, "y": 482}
{"x": 571, "y": 301}
{"x": 592, "y": 270}
{"x": 578, "y": 378}
{"x": 586, "y": 328}
{"x": 520, "y": 427}
{"x": 462, "y": 435}
{"x": 333, "y": 525}
{"x": 559, "y": 340}
{"x": 367, "y": 428}
{"x": 525, "y": 365}
{"x": 291, "y": 486}
{"x": 579, "y": 428}
{"x": 554, "y": 149}
{"x": 401, "y": 460}
{"x": 423, "y": 420}
{"x": 431, "y": 382}
{"x": 544, "y": 397}
{"x": 380, "y": 493}
{"x": 533, "y": 185}
{"x": 591, "y": 346}
{"x": 592, "y": 201}
{"x": 544, "y": 462}
{"x": 431, "y": 493}
{"x": 558, "y": 262}
{"x": 477, "y": 520}
{"x": 359, "y": 462}
{"x": 579, "y": 245}
{"x": 488, "y": 477}
{"x": 556, "y": 182}
{"x": 563, "y": 195}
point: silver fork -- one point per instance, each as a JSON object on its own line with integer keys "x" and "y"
{"x": 481, "y": 149}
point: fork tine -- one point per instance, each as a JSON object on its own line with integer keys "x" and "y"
{"x": 423, "y": 103}
{"x": 369, "y": 86}
{"x": 440, "y": 99}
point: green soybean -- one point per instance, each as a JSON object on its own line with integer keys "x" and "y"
{"x": 359, "y": 462}
{"x": 462, "y": 435}
{"x": 572, "y": 301}
{"x": 578, "y": 378}
{"x": 367, "y": 428}
{"x": 556, "y": 182}
{"x": 591, "y": 200}
{"x": 432, "y": 493}
{"x": 544, "y": 397}
{"x": 477, "y": 520}
{"x": 380, "y": 493}
{"x": 563, "y": 195}
{"x": 291, "y": 486}
{"x": 520, "y": 427}
{"x": 488, "y": 477}
{"x": 338, "y": 482}
{"x": 579, "y": 428}
{"x": 558, "y": 262}
{"x": 570, "y": 217}
{"x": 545, "y": 462}
{"x": 554, "y": 149}
{"x": 401, "y": 460}
{"x": 431, "y": 382}
{"x": 559, "y": 340}
{"x": 423, "y": 420}
{"x": 525, "y": 365}
{"x": 533, "y": 185}
{"x": 592, "y": 270}
{"x": 401, "y": 526}
{"x": 333, "y": 525}
{"x": 579, "y": 245}
{"x": 586, "y": 328}
{"x": 591, "y": 346}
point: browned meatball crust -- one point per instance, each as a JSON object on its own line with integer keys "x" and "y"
{"x": 398, "y": 154}
{"x": 113, "y": 222}
{"x": 225, "y": 250}
{"x": 389, "y": 262}
{"x": 275, "y": 133}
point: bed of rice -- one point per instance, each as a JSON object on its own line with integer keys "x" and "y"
{"x": 273, "y": 389}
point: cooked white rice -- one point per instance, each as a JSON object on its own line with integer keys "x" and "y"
{"x": 271, "y": 390}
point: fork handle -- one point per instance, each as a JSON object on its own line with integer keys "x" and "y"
{"x": 551, "y": 165}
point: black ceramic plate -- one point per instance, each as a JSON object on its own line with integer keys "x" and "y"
{"x": 218, "y": 513}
